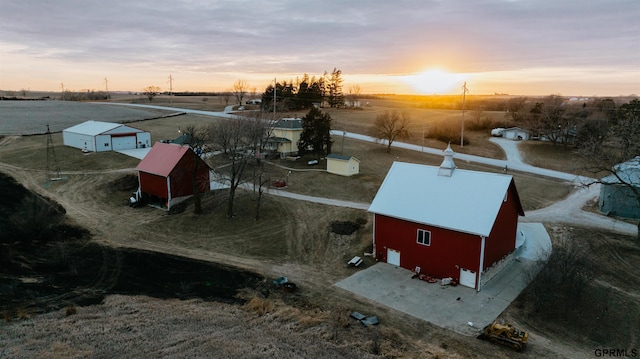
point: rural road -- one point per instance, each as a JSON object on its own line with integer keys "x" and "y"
{"x": 567, "y": 211}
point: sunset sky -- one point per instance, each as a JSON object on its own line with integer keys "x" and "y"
{"x": 519, "y": 47}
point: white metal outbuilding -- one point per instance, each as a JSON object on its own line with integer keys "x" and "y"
{"x": 515, "y": 133}
{"x": 99, "y": 136}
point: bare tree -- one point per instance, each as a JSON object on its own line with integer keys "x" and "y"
{"x": 390, "y": 126}
{"x": 553, "y": 119}
{"x": 515, "y": 107}
{"x": 563, "y": 279}
{"x": 239, "y": 140}
{"x": 225, "y": 97}
{"x": 239, "y": 90}
{"x": 264, "y": 123}
{"x": 196, "y": 137}
{"x": 353, "y": 94}
{"x": 151, "y": 92}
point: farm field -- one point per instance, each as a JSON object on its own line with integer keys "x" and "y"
{"x": 292, "y": 238}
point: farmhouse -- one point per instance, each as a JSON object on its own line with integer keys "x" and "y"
{"x": 616, "y": 197}
{"x": 343, "y": 165}
{"x": 285, "y": 135}
{"x": 165, "y": 174}
{"x": 451, "y": 223}
{"x": 96, "y": 136}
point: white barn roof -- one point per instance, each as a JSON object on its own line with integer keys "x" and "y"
{"x": 464, "y": 201}
{"x": 94, "y": 128}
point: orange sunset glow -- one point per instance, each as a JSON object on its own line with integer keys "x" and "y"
{"x": 496, "y": 47}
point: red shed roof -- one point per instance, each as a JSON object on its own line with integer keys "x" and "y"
{"x": 162, "y": 158}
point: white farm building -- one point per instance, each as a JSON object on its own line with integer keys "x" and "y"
{"x": 96, "y": 136}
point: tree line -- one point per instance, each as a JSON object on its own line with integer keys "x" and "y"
{"x": 305, "y": 93}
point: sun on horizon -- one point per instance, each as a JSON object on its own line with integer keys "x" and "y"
{"x": 435, "y": 82}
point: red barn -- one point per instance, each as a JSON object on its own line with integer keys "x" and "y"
{"x": 166, "y": 173}
{"x": 447, "y": 221}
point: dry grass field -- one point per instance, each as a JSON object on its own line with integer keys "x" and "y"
{"x": 292, "y": 238}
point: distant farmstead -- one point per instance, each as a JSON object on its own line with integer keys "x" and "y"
{"x": 96, "y": 136}
{"x": 617, "y": 198}
{"x": 165, "y": 174}
{"x": 446, "y": 222}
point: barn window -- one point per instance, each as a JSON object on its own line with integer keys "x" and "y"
{"x": 424, "y": 237}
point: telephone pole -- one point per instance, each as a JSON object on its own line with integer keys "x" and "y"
{"x": 275, "y": 86}
{"x": 170, "y": 89}
{"x": 464, "y": 96}
{"x": 62, "y": 86}
{"x": 51, "y": 159}
{"x": 106, "y": 86}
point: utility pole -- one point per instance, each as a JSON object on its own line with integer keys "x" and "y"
{"x": 51, "y": 159}
{"x": 62, "y": 86}
{"x": 464, "y": 96}
{"x": 274, "y": 94}
{"x": 422, "y": 149}
{"x": 170, "y": 89}
{"x": 106, "y": 86}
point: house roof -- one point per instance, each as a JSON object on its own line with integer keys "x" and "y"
{"x": 341, "y": 157}
{"x": 93, "y": 128}
{"x": 289, "y": 123}
{"x": 162, "y": 159}
{"x": 278, "y": 139}
{"x": 184, "y": 138}
{"x": 466, "y": 201}
{"x": 515, "y": 129}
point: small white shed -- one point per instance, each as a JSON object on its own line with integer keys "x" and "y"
{"x": 99, "y": 136}
{"x": 515, "y": 133}
{"x": 343, "y": 165}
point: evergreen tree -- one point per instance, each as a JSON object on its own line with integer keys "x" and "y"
{"x": 336, "y": 97}
{"x": 315, "y": 136}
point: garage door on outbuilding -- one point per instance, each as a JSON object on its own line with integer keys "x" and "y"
{"x": 96, "y": 136}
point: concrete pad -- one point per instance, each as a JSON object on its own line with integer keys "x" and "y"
{"x": 537, "y": 243}
{"x": 445, "y": 306}
{"x": 138, "y": 153}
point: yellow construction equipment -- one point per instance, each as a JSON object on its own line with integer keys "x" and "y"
{"x": 505, "y": 334}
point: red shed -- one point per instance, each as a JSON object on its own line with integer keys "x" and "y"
{"x": 165, "y": 174}
{"x": 447, "y": 221}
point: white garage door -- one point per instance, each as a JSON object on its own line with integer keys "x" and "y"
{"x": 467, "y": 278}
{"x": 123, "y": 143}
{"x": 393, "y": 257}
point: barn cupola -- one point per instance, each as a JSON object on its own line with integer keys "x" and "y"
{"x": 447, "y": 166}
